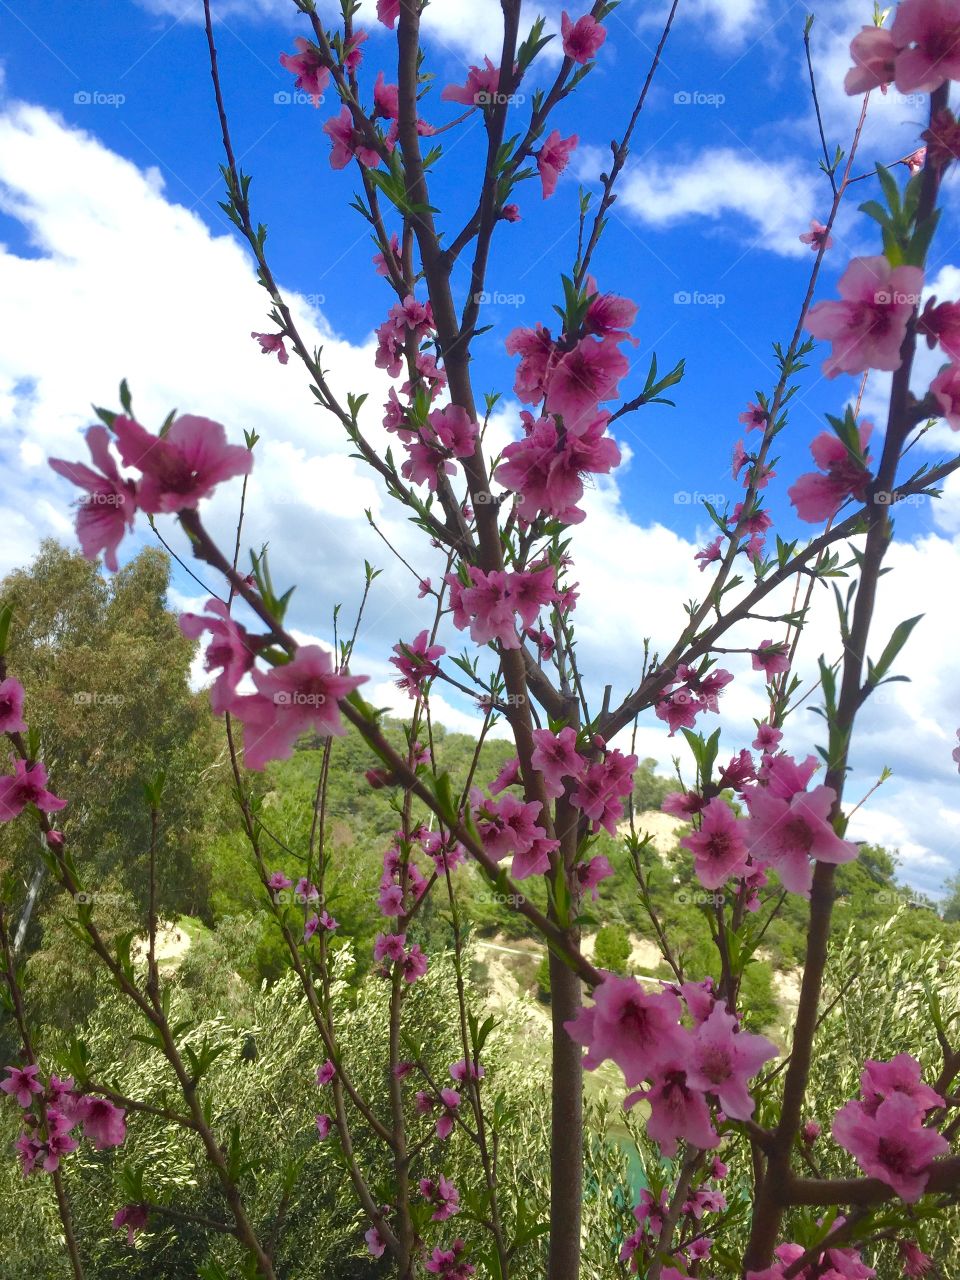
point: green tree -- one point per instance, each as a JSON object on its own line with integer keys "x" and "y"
{"x": 106, "y": 673}
{"x": 612, "y": 948}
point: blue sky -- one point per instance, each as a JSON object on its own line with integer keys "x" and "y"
{"x": 117, "y": 261}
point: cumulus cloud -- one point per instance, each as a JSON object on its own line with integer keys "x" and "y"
{"x": 748, "y": 198}
{"x": 460, "y": 26}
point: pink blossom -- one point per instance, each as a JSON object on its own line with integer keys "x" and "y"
{"x": 738, "y": 772}
{"x": 681, "y": 804}
{"x": 353, "y": 52}
{"x": 485, "y": 606}
{"x": 710, "y": 554}
{"x": 556, "y": 756}
{"x": 454, "y": 430}
{"x": 306, "y": 892}
{"x": 602, "y": 787}
{"x": 817, "y": 237}
{"x": 768, "y": 738}
{"x": 26, "y": 785}
{"x": 868, "y": 326}
{"x": 462, "y": 1070}
{"x": 723, "y": 1059}
{"x": 584, "y": 377}
{"x": 536, "y": 351}
{"x": 581, "y": 39}
{"x": 638, "y": 1030}
{"x": 591, "y": 873}
{"x": 347, "y": 142}
{"x": 308, "y": 66}
{"x": 388, "y": 11}
{"x": 184, "y": 465}
{"x": 927, "y": 36}
{"x": 916, "y": 1264}
{"x": 510, "y": 213}
{"x": 448, "y": 1263}
{"x": 107, "y": 510}
{"x": 916, "y": 160}
{"x": 754, "y": 417}
{"x": 946, "y": 390}
{"x": 103, "y": 1123}
{"x": 481, "y": 87}
{"x": 417, "y": 663}
{"x": 892, "y": 1145}
{"x": 819, "y": 497}
{"x": 677, "y": 1110}
{"x": 445, "y": 1122}
{"x": 414, "y": 964}
{"x": 788, "y": 833}
{"x": 941, "y": 323}
{"x": 443, "y": 1195}
{"x": 324, "y": 1126}
{"x": 719, "y": 847}
{"x": 22, "y": 1084}
{"x": 509, "y": 776}
{"x": 325, "y": 1073}
{"x": 547, "y": 467}
{"x": 231, "y": 650}
{"x": 376, "y": 1245}
{"x": 772, "y": 659}
{"x": 380, "y": 262}
{"x": 295, "y": 698}
{"x": 11, "y": 706}
{"x": 272, "y": 342}
{"x": 389, "y": 946}
{"x": 608, "y": 313}
{"x": 901, "y": 1075}
{"x": 873, "y": 50}
{"x": 552, "y": 159}
{"x": 133, "y": 1218}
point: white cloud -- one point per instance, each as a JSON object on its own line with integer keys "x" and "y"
{"x": 750, "y": 199}
{"x": 733, "y": 23}
{"x": 137, "y": 286}
{"x": 472, "y": 27}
